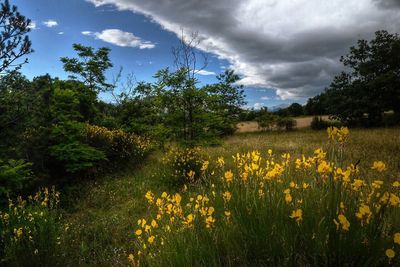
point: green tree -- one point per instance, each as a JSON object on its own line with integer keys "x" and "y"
{"x": 90, "y": 66}
{"x": 14, "y": 43}
{"x": 225, "y": 101}
{"x": 370, "y": 86}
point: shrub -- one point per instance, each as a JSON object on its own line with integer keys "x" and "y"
{"x": 30, "y": 230}
{"x": 77, "y": 157}
{"x": 15, "y": 175}
{"x": 117, "y": 145}
{"x": 69, "y": 150}
{"x": 187, "y": 165}
{"x": 266, "y": 121}
{"x": 286, "y": 123}
{"x": 277, "y": 211}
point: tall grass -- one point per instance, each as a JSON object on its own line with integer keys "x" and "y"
{"x": 276, "y": 209}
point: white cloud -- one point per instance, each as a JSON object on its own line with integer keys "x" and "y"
{"x": 32, "y": 25}
{"x": 50, "y": 23}
{"x": 258, "y": 105}
{"x": 120, "y": 38}
{"x": 60, "y": 33}
{"x": 265, "y": 98}
{"x": 292, "y": 46}
{"x": 205, "y": 72}
{"x": 87, "y": 32}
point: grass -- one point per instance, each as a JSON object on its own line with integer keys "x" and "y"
{"x": 102, "y": 214}
{"x": 366, "y": 145}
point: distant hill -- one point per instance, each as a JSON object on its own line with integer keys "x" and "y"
{"x": 278, "y": 107}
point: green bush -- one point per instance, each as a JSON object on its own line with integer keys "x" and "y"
{"x": 76, "y": 156}
{"x": 117, "y": 145}
{"x": 318, "y": 123}
{"x": 266, "y": 121}
{"x": 69, "y": 150}
{"x": 15, "y": 175}
{"x": 187, "y": 165}
{"x": 286, "y": 123}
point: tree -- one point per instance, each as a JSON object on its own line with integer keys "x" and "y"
{"x": 14, "y": 43}
{"x": 295, "y": 110}
{"x": 371, "y": 85}
{"x": 225, "y": 101}
{"x": 90, "y": 66}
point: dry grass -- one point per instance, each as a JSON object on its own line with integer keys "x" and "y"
{"x": 364, "y": 145}
{"x": 252, "y": 126}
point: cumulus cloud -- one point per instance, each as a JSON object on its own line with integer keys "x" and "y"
{"x": 120, "y": 38}
{"x": 291, "y": 46}
{"x": 50, "y": 23}
{"x": 205, "y": 72}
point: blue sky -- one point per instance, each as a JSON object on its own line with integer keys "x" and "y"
{"x": 281, "y": 59}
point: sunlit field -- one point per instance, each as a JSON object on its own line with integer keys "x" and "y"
{"x": 197, "y": 133}
{"x": 277, "y": 198}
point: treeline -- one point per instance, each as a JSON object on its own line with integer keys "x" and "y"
{"x": 368, "y": 92}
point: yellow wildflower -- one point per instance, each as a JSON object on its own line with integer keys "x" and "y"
{"x": 297, "y": 214}
{"x": 151, "y": 239}
{"x": 228, "y": 176}
{"x": 343, "y": 222}
{"x": 378, "y": 166}
{"x": 390, "y": 253}
{"x": 204, "y": 167}
{"x": 138, "y": 232}
{"x": 377, "y": 184}
{"x": 324, "y": 167}
{"x": 149, "y": 196}
{"x": 288, "y": 198}
{"x": 154, "y": 224}
{"x": 131, "y": 258}
{"x": 396, "y": 238}
{"x": 227, "y": 196}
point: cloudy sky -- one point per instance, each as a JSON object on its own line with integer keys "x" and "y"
{"x": 284, "y": 50}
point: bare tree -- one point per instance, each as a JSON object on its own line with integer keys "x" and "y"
{"x": 186, "y": 54}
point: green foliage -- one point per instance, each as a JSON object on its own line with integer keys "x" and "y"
{"x": 286, "y": 123}
{"x": 186, "y": 165}
{"x": 266, "y": 120}
{"x": 15, "y": 175}
{"x": 318, "y": 123}
{"x": 69, "y": 150}
{"x": 294, "y": 110}
{"x": 14, "y": 43}
{"x": 90, "y": 66}
{"x": 117, "y": 145}
{"x": 225, "y": 100}
{"x": 370, "y": 87}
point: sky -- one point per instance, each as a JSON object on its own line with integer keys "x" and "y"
{"x": 285, "y": 51}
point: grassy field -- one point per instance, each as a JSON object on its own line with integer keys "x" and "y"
{"x": 101, "y": 221}
{"x": 104, "y": 219}
{"x": 252, "y": 126}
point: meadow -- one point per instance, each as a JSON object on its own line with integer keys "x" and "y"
{"x": 265, "y": 206}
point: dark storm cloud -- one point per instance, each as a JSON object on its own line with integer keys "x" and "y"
{"x": 388, "y": 3}
{"x": 292, "y": 46}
